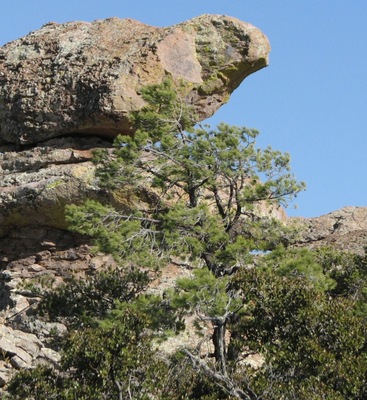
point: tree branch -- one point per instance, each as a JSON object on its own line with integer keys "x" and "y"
{"x": 223, "y": 380}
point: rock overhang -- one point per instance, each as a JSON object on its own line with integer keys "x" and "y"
{"x": 84, "y": 78}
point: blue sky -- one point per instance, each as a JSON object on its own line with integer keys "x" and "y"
{"x": 311, "y": 101}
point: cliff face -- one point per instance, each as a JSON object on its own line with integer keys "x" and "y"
{"x": 78, "y": 80}
{"x": 38, "y": 182}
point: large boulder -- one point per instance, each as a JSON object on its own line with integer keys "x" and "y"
{"x": 67, "y": 89}
{"x": 84, "y": 78}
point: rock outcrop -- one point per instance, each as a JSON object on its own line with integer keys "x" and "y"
{"x": 37, "y": 183}
{"x": 63, "y": 83}
{"x": 36, "y": 257}
{"x": 344, "y": 229}
{"x": 84, "y": 78}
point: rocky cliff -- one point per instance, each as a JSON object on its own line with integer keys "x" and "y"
{"x": 68, "y": 89}
{"x": 79, "y": 82}
{"x": 65, "y": 90}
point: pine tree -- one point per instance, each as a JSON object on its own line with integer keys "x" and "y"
{"x": 186, "y": 190}
{"x": 191, "y": 195}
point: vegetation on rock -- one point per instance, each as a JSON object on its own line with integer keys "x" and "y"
{"x": 191, "y": 196}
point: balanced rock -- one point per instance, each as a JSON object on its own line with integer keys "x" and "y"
{"x": 84, "y": 78}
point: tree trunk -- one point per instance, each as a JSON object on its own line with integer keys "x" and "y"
{"x": 119, "y": 387}
{"x": 220, "y": 353}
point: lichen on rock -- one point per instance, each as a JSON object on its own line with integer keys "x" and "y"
{"x": 85, "y": 78}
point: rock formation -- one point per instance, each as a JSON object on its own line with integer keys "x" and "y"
{"x": 84, "y": 78}
{"x": 37, "y": 183}
{"x": 344, "y": 229}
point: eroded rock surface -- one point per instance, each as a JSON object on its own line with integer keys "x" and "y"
{"x": 81, "y": 77}
{"x": 344, "y": 229}
{"x": 37, "y": 183}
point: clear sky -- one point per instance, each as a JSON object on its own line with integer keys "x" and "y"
{"x": 311, "y": 101}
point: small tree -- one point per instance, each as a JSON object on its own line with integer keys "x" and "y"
{"x": 191, "y": 195}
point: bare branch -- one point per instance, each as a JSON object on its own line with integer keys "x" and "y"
{"x": 222, "y": 379}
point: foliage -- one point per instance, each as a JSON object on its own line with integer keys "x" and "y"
{"x": 161, "y": 318}
{"x": 312, "y": 337}
{"x": 183, "y": 382}
{"x": 81, "y": 301}
{"x": 109, "y": 361}
{"x": 41, "y": 383}
{"x": 191, "y": 192}
{"x": 349, "y": 271}
{"x": 338, "y": 273}
{"x": 298, "y": 263}
{"x": 312, "y": 343}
